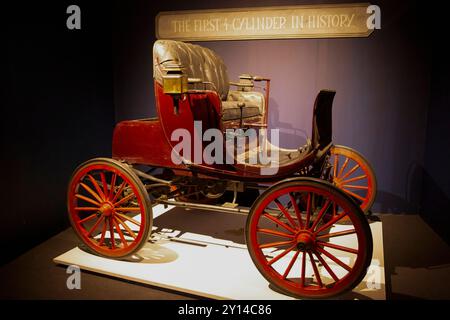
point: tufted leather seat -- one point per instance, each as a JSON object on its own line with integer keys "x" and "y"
{"x": 205, "y": 64}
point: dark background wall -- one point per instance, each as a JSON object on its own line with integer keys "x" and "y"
{"x": 57, "y": 111}
{"x": 436, "y": 180}
{"x": 65, "y": 90}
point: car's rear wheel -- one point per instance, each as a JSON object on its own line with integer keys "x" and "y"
{"x": 353, "y": 174}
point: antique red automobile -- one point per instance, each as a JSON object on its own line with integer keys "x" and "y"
{"x": 306, "y": 229}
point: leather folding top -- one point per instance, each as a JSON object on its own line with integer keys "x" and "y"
{"x": 197, "y": 61}
{"x": 205, "y": 64}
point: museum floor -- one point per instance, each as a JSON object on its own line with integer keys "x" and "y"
{"x": 417, "y": 263}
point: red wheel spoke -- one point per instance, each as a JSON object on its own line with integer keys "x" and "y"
{"x": 350, "y": 171}
{"x": 327, "y": 267}
{"x": 92, "y": 216}
{"x": 277, "y": 221}
{"x": 95, "y": 225}
{"x": 320, "y": 215}
{"x": 86, "y": 209}
{"x": 129, "y": 219}
{"x": 281, "y": 255}
{"x": 125, "y": 199}
{"x": 331, "y": 222}
{"x": 336, "y": 234}
{"x": 316, "y": 271}
{"x": 118, "y": 192}
{"x": 97, "y": 187}
{"x": 274, "y": 244}
{"x": 128, "y": 209}
{"x": 355, "y": 195}
{"x": 102, "y": 238}
{"x": 297, "y": 211}
{"x": 345, "y": 186}
{"x": 112, "y": 240}
{"x": 336, "y": 163}
{"x": 335, "y": 259}
{"x": 125, "y": 244}
{"x": 92, "y": 201}
{"x": 343, "y": 167}
{"x": 285, "y": 212}
{"x": 338, "y": 247}
{"x": 113, "y": 186}
{"x": 92, "y": 193}
{"x": 308, "y": 210}
{"x": 130, "y": 232}
{"x": 354, "y": 179}
{"x": 289, "y": 267}
{"x": 105, "y": 185}
{"x": 303, "y": 273}
{"x": 275, "y": 233}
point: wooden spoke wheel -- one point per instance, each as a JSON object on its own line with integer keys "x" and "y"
{"x": 109, "y": 208}
{"x": 297, "y": 244}
{"x": 353, "y": 174}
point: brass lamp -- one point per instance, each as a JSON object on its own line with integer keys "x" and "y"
{"x": 175, "y": 83}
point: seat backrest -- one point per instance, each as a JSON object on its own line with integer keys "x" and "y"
{"x": 197, "y": 61}
{"x": 322, "y": 119}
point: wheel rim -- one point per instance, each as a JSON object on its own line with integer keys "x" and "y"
{"x": 107, "y": 210}
{"x": 353, "y": 174}
{"x": 292, "y": 246}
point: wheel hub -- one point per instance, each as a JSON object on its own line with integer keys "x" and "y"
{"x": 337, "y": 182}
{"x": 106, "y": 209}
{"x": 305, "y": 241}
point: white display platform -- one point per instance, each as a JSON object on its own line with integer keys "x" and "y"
{"x": 210, "y": 267}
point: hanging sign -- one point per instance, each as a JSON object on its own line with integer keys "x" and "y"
{"x": 305, "y": 21}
